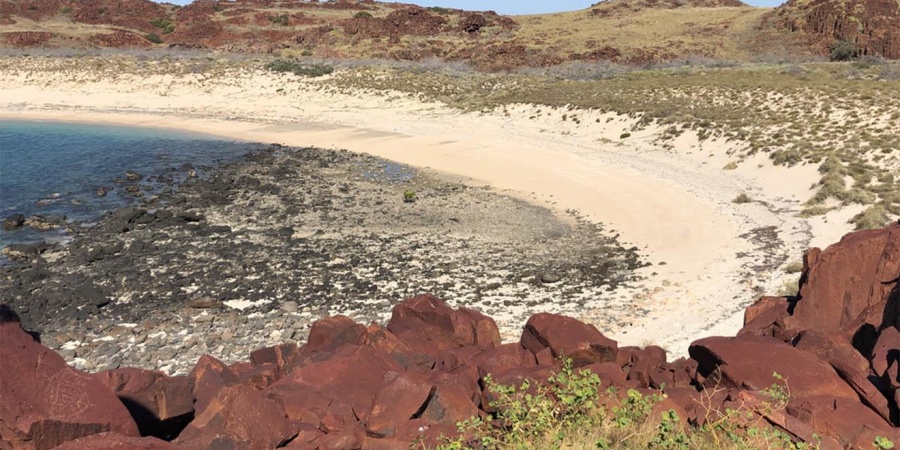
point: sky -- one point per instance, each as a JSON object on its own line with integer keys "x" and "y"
{"x": 520, "y": 6}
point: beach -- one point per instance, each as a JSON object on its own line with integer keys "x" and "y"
{"x": 710, "y": 257}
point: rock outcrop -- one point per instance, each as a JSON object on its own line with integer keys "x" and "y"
{"x": 835, "y": 348}
{"x": 873, "y": 25}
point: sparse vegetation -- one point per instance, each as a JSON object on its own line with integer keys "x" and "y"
{"x": 794, "y": 267}
{"x": 872, "y": 217}
{"x": 298, "y": 68}
{"x": 742, "y": 198}
{"x": 844, "y": 50}
{"x": 154, "y": 38}
{"x": 409, "y": 196}
{"x": 624, "y": 135}
{"x": 280, "y": 19}
{"x": 570, "y": 410}
{"x": 362, "y": 15}
{"x": 163, "y": 24}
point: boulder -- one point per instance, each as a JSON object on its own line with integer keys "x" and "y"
{"x": 327, "y": 335}
{"x": 886, "y": 350}
{"x": 208, "y": 377}
{"x": 428, "y": 325}
{"x": 750, "y": 362}
{"x": 238, "y": 416}
{"x": 280, "y": 355}
{"x": 847, "y": 285}
{"x": 842, "y": 419}
{"x": 46, "y": 403}
{"x": 116, "y": 441}
{"x": 403, "y": 397}
{"x": 838, "y": 353}
{"x": 14, "y": 222}
{"x": 160, "y": 405}
{"x": 567, "y": 337}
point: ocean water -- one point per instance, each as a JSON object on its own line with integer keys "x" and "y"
{"x": 55, "y": 169}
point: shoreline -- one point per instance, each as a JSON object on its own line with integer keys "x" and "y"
{"x": 675, "y": 210}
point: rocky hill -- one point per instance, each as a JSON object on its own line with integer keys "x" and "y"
{"x": 873, "y": 25}
{"x": 835, "y": 347}
{"x": 623, "y": 31}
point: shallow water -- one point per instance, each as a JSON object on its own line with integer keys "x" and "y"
{"x": 55, "y": 169}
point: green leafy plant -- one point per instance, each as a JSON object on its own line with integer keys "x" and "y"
{"x": 154, "y": 38}
{"x": 883, "y": 443}
{"x": 409, "y": 196}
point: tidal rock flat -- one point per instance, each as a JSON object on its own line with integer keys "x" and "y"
{"x": 254, "y": 253}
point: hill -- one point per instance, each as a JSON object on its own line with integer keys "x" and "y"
{"x": 621, "y": 31}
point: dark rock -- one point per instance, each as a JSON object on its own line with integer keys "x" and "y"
{"x": 13, "y": 222}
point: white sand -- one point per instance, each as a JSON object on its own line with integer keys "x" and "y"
{"x": 676, "y": 205}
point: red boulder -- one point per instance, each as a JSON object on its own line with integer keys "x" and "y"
{"x": 567, "y": 337}
{"x": 46, "y": 403}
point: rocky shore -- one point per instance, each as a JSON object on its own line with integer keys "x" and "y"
{"x": 253, "y": 254}
{"x": 831, "y": 351}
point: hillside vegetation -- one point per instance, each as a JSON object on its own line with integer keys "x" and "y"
{"x": 621, "y": 31}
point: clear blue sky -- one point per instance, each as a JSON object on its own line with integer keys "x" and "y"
{"x": 520, "y": 6}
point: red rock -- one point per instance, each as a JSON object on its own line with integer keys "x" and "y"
{"x": 382, "y": 339}
{"x": 47, "y": 403}
{"x": 766, "y": 318}
{"x": 869, "y": 393}
{"x": 280, "y": 355}
{"x": 160, "y": 405}
{"x": 645, "y": 363}
{"x": 403, "y": 397}
{"x": 238, "y": 417}
{"x": 456, "y": 398}
{"x": 833, "y": 351}
{"x": 848, "y": 284}
{"x": 428, "y": 325}
{"x": 840, "y": 419}
{"x": 610, "y": 373}
{"x": 749, "y": 362}
{"x": 259, "y": 376}
{"x": 306, "y": 434}
{"x": 506, "y": 357}
{"x": 887, "y": 349}
{"x": 116, "y": 441}
{"x": 338, "y": 441}
{"x": 353, "y": 375}
{"x": 209, "y": 376}
{"x": 626, "y": 355}
{"x": 567, "y": 337}
{"x": 689, "y": 402}
{"x": 751, "y": 401}
{"x": 301, "y": 402}
{"x": 327, "y": 335}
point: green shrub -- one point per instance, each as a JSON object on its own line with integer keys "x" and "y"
{"x": 298, "y": 68}
{"x": 844, "y": 50}
{"x": 624, "y": 135}
{"x": 163, "y": 24}
{"x": 280, "y": 19}
{"x": 409, "y": 196}
{"x": 362, "y": 15}
{"x": 154, "y": 38}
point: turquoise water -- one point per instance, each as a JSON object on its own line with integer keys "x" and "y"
{"x": 53, "y": 169}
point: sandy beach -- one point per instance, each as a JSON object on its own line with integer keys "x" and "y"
{"x": 711, "y": 257}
